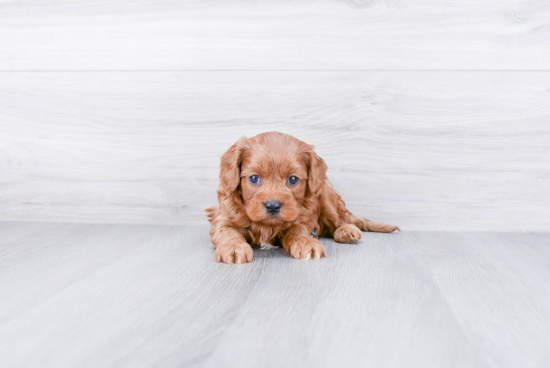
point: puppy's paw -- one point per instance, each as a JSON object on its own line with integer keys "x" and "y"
{"x": 347, "y": 233}
{"x": 307, "y": 248}
{"x": 238, "y": 252}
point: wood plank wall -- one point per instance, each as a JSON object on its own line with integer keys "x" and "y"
{"x": 434, "y": 115}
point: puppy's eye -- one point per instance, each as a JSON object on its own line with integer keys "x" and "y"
{"x": 254, "y": 179}
{"x": 293, "y": 180}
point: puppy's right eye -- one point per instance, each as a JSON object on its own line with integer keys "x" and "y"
{"x": 254, "y": 179}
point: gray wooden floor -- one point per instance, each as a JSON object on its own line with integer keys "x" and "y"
{"x": 126, "y": 295}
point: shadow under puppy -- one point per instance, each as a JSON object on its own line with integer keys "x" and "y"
{"x": 274, "y": 191}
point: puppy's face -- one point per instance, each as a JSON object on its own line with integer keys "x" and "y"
{"x": 273, "y": 173}
{"x": 273, "y": 186}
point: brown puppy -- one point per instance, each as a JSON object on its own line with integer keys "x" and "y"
{"x": 274, "y": 191}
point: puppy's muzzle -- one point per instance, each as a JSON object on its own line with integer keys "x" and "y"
{"x": 273, "y": 207}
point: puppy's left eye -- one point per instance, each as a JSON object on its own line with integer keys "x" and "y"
{"x": 293, "y": 180}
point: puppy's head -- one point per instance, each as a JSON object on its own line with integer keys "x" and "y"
{"x": 272, "y": 173}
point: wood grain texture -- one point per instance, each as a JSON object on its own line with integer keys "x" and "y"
{"x": 424, "y": 150}
{"x": 275, "y": 35}
{"x": 149, "y": 296}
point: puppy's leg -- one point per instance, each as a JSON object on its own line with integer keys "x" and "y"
{"x": 339, "y": 222}
{"x": 351, "y": 232}
{"x": 298, "y": 242}
{"x": 231, "y": 246}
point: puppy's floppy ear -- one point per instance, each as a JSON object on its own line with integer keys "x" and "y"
{"x": 317, "y": 170}
{"x": 230, "y": 167}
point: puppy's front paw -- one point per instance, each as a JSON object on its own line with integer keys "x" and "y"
{"x": 238, "y": 252}
{"x": 307, "y": 248}
{"x": 347, "y": 233}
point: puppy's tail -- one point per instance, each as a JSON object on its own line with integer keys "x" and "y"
{"x": 367, "y": 225}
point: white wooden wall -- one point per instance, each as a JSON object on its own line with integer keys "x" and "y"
{"x": 433, "y": 115}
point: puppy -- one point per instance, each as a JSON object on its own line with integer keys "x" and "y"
{"x": 274, "y": 191}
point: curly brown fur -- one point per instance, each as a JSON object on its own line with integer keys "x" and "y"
{"x": 241, "y": 219}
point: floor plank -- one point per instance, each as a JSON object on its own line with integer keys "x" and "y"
{"x": 122, "y": 295}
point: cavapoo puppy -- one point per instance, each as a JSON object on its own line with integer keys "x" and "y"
{"x": 274, "y": 191}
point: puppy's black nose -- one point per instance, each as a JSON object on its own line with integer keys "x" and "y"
{"x": 273, "y": 206}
